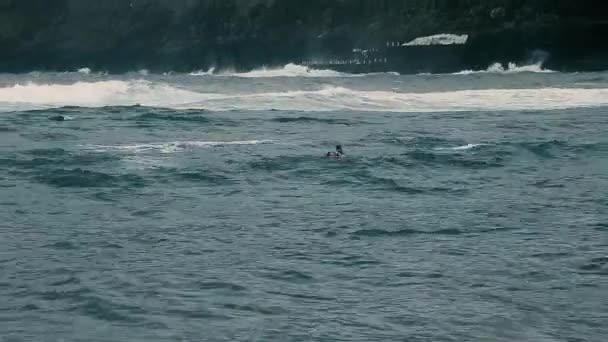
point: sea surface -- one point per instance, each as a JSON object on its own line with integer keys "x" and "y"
{"x": 200, "y": 207}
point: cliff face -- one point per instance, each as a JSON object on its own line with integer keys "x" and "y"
{"x": 162, "y": 35}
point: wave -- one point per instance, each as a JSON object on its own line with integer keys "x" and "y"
{"x": 512, "y": 68}
{"x": 404, "y": 232}
{"x": 49, "y": 158}
{"x": 307, "y": 120}
{"x": 460, "y": 148}
{"x": 111, "y": 93}
{"x": 209, "y": 72}
{"x": 210, "y": 177}
{"x": 64, "y": 178}
{"x": 85, "y": 71}
{"x": 333, "y": 98}
{"x": 486, "y": 161}
{"x": 289, "y": 70}
{"x": 170, "y": 147}
{"x": 94, "y": 94}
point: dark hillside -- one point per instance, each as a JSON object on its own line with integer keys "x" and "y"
{"x": 161, "y": 35}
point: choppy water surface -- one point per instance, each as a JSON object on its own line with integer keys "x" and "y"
{"x": 200, "y": 208}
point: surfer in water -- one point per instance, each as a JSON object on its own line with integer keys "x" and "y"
{"x": 338, "y": 154}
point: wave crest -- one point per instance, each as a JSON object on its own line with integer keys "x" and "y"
{"x": 33, "y": 96}
{"x": 512, "y": 68}
{"x": 94, "y": 94}
{"x": 289, "y": 70}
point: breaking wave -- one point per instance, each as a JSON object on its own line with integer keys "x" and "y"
{"x": 209, "y": 72}
{"x": 512, "y": 68}
{"x": 84, "y": 71}
{"x": 94, "y": 94}
{"x": 289, "y": 70}
{"x": 33, "y": 96}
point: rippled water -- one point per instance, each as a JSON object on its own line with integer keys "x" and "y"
{"x": 468, "y": 208}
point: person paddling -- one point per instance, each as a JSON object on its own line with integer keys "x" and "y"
{"x": 338, "y": 154}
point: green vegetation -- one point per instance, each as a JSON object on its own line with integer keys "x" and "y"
{"x": 189, "y": 34}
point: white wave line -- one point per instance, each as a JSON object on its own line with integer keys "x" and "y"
{"x": 168, "y": 147}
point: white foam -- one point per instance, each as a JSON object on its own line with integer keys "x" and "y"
{"x": 84, "y": 71}
{"x": 93, "y": 94}
{"x": 341, "y": 99}
{"x": 466, "y": 147}
{"x": 170, "y": 147}
{"x": 512, "y": 68}
{"x": 461, "y": 148}
{"x": 209, "y": 72}
{"x": 330, "y": 98}
{"x": 289, "y": 70}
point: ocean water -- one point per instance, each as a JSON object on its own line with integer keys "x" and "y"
{"x": 199, "y": 207}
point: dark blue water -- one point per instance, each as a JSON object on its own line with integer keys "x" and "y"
{"x": 469, "y": 222}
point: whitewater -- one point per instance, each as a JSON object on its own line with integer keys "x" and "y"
{"x": 202, "y": 207}
{"x": 279, "y": 89}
